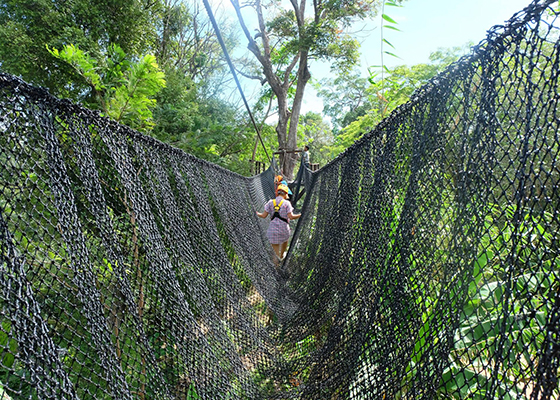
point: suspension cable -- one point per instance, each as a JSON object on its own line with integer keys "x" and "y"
{"x": 228, "y": 59}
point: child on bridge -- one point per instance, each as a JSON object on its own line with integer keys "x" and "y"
{"x": 278, "y": 231}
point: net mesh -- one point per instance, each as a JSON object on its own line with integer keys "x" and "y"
{"x": 425, "y": 264}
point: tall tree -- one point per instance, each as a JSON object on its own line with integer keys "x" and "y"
{"x": 192, "y": 111}
{"x": 187, "y": 42}
{"x": 287, "y": 39}
{"x": 345, "y": 98}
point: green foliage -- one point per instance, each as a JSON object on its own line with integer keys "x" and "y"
{"x": 192, "y": 394}
{"x": 8, "y": 346}
{"x": 132, "y": 101}
{"x": 27, "y": 26}
{"x": 176, "y": 110}
{"x": 82, "y": 62}
{"x": 502, "y": 294}
{"x": 124, "y": 90}
{"x": 390, "y": 23}
{"x": 484, "y": 320}
{"x": 95, "y": 53}
{"x": 344, "y": 53}
{"x": 209, "y": 128}
{"x": 364, "y": 106}
{"x": 323, "y": 36}
{"x": 187, "y": 44}
{"x": 315, "y": 132}
{"x": 345, "y": 98}
{"x": 346, "y": 11}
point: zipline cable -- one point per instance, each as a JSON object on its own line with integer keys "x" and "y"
{"x": 228, "y": 59}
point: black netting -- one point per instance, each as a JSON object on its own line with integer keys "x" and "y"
{"x": 425, "y": 264}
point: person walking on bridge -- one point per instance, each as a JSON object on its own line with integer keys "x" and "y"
{"x": 278, "y": 232}
{"x": 305, "y": 156}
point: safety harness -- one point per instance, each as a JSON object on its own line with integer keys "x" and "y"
{"x": 277, "y": 210}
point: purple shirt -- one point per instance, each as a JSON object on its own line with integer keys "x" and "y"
{"x": 278, "y": 231}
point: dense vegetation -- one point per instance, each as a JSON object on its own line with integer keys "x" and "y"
{"x": 157, "y": 67}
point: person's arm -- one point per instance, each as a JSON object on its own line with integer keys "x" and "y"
{"x": 290, "y": 212}
{"x": 267, "y": 206}
{"x": 293, "y": 216}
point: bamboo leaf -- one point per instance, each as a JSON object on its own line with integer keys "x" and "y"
{"x": 392, "y": 54}
{"x": 389, "y": 43}
{"x": 392, "y": 27}
{"x": 388, "y": 19}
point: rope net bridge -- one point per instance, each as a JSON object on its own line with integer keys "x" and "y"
{"x": 425, "y": 265}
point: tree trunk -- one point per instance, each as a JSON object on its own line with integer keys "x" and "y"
{"x": 282, "y": 128}
{"x": 303, "y": 78}
{"x": 281, "y": 84}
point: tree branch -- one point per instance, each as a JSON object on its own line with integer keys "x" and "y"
{"x": 264, "y": 60}
{"x": 248, "y": 76}
{"x": 225, "y": 152}
{"x": 317, "y": 10}
{"x": 297, "y": 10}
{"x": 262, "y": 27}
{"x": 253, "y": 47}
{"x": 289, "y": 70}
{"x": 267, "y": 111}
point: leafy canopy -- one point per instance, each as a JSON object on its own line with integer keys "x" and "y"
{"x": 122, "y": 89}
{"x": 357, "y": 107}
{"x": 26, "y": 26}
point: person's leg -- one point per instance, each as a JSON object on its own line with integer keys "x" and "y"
{"x": 277, "y": 249}
{"x": 283, "y": 248}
